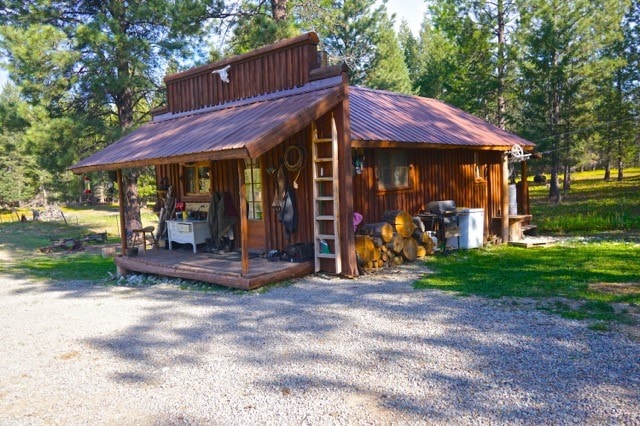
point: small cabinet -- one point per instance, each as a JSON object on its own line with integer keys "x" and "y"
{"x": 192, "y": 232}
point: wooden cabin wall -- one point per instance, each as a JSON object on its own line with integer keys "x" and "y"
{"x": 275, "y": 233}
{"x": 252, "y": 76}
{"x": 435, "y": 175}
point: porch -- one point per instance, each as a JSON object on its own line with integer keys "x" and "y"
{"x": 222, "y": 269}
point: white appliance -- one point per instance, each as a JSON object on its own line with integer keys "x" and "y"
{"x": 471, "y": 222}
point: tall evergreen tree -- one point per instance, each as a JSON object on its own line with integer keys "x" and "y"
{"x": 388, "y": 70}
{"x": 120, "y": 50}
{"x": 262, "y": 23}
{"x": 562, "y": 42}
{"x": 410, "y": 49}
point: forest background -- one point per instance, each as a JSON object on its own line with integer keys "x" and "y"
{"x": 82, "y": 73}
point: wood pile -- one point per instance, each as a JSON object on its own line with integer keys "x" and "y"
{"x": 396, "y": 239}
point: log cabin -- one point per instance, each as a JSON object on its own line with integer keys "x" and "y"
{"x": 277, "y": 128}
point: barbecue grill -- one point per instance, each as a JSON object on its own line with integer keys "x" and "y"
{"x": 441, "y": 217}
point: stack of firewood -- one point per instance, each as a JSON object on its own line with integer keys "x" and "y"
{"x": 397, "y": 238}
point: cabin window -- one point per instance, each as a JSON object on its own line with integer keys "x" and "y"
{"x": 197, "y": 179}
{"x": 480, "y": 169}
{"x": 392, "y": 169}
{"x": 253, "y": 186}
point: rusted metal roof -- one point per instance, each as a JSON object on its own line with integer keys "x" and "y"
{"x": 379, "y": 117}
{"x": 249, "y": 128}
{"x": 241, "y": 129}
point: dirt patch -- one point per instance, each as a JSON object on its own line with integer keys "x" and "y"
{"x": 616, "y": 288}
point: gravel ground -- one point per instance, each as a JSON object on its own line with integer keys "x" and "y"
{"x": 320, "y": 351}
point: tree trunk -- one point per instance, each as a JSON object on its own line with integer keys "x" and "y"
{"x": 566, "y": 182}
{"x": 620, "y": 161}
{"x": 607, "y": 171}
{"x": 279, "y": 10}
{"x": 132, "y": 202}
{"x": 501, "y": 118}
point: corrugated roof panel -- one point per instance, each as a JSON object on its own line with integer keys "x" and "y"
{"x": 385, "y": 116}
{"x": 236, "y": 130}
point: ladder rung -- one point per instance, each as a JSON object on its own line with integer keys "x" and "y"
{"x": 326, "y": 237}
{"x": 325, "y": 217}
{"x": 322, "y": 160}
{"x": 326, "y": 255}
{"x": 324, "y": 198}
{"x": 324, "y": 179}
{"x": 323, "y": 140}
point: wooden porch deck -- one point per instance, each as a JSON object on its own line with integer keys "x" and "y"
{"x": 222, "y": 269}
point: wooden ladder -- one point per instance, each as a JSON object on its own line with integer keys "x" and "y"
{"x": 326, "y": 206}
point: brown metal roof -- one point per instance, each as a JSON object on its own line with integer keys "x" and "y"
{"x": 242, "y": 129}
{"x": 380, "y": 118}
{"x": 250, "y": 127}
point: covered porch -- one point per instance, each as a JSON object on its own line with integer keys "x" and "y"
{"x": 222, "y": 269}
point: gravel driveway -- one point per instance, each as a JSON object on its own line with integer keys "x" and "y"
{"x": 320, "y": 351}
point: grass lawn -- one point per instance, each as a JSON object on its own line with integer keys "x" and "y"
{"x": 20, "y": 243}
{"x": 594, "y": 274}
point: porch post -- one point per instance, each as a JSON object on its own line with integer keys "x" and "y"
{"x": 504, "y": 215}
{"x": 123, "y": 225}
{"x": 525, "y": 188}
{"x": 244, "y": 223}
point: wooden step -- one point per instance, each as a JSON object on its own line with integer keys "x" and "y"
{"x": 324, "y": 179}
{"x": 321, "y": 140}
{"x": 326, "y": 237}
{"x": 323, "y": 160}
{"x": 326, "y": 255}
{"x": 325, "y": 217}
{"x": 324, "y": 198}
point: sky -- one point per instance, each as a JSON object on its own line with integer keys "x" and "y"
{"x": 411, "y": 10}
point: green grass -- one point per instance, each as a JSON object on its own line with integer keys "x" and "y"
{"x": 572, "y": 279}
{"x": 569, "y": 271}
{"x": 590, "y": 206}
{"x": 72, "y": 267}
{"x": 561, "y": 270}
{"x": 20, "y": 243}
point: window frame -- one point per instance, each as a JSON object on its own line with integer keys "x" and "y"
{"x": 393, "y": 159}
{"x": 196, "y": 175}
{"x": 253, "y": 189}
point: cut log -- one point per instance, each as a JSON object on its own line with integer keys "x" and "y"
{"x": 398, "y": 260}
{"x": 421, "y": 237}
{"x": 396, "y": 244}
{"x": 401, "y": 220}
{"x": 377, "y": 241}
{"x": 422, "y": 252}
{"x": 410, "y": 249}
{"x": 365, "y": 249}
{"x": 383, "y": 230}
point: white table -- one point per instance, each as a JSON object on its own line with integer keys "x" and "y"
{"x": 192, "y": 232}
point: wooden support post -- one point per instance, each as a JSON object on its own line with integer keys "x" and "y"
{"x": 504, "y": 223}
{"x": 525, "y": 189}
{"x": 349, "y": 263}
{"x": 244, "y": 222}
{"x": 123, "y": 225}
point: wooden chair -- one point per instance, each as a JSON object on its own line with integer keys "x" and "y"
{"x": 142, "y": 232}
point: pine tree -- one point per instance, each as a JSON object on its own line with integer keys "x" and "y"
{"x": 388, "y": 69}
